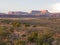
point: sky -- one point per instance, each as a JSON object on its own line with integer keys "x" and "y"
{"x": 28, "y": 5}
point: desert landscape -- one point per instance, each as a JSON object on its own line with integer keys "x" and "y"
{"x": 30, "y": 31}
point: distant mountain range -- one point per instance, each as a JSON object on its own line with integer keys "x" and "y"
{"x": 33, "y": 13}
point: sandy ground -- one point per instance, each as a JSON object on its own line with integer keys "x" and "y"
{"x": 19, "y": 18}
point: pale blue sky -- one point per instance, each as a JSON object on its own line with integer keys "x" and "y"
{"x": 26, "y": 5}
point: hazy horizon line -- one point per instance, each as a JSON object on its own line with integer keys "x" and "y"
{"x": 28, "y": 11}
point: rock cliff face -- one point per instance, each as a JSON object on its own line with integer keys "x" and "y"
{"x": 42, "y": 12}
{"x": 33, "y": 13}
{"x": 17, "y": 13}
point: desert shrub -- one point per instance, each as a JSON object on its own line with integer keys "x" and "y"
{"x": 27, "y": 25}
{"x": 24, "y": 35}
{"x": 21, "y": 43}
{"x": 16, "y": 24}
{"x": 32, "y": 37}
{"x": 34, "y": 25}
